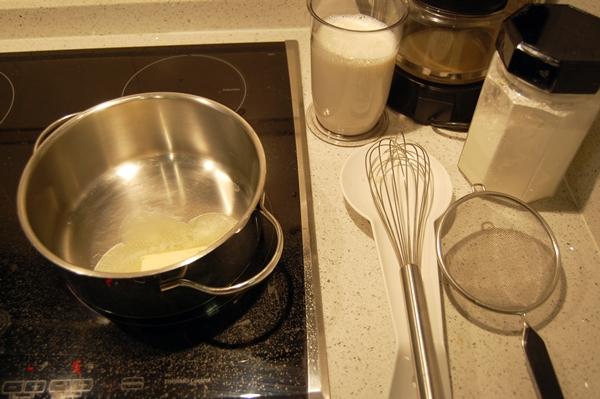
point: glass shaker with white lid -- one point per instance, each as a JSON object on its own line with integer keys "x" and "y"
{"x": 538, "y": 101}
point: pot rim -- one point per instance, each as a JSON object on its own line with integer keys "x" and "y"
{"x": 59, "y": 130}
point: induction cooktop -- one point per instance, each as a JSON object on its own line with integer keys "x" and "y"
{"x": 267, "y": 343}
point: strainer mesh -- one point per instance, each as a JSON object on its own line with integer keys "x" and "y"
{"x": 498, "y": 253}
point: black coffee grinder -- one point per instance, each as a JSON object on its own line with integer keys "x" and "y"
{"x": 445, "y": 49}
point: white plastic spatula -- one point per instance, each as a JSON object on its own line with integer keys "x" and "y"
{"x": 355, "y": 187}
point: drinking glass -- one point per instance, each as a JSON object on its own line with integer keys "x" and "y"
{"x": 353, "y": 47}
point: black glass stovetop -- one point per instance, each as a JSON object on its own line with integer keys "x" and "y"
{"x": 51, "y": 345}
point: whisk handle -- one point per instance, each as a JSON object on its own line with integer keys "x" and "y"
{"x": 427, "y": 372}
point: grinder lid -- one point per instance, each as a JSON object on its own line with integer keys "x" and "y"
{"x": 554, "y": 47}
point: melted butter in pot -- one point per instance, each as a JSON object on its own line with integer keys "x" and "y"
{"x": 151, "y": 241}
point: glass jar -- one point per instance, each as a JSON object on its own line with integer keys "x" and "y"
{"x": 449, "y": 42}
{"x": 445, "y": 50}
{"x": 538, "y": 101}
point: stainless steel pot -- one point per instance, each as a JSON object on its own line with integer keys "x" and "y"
{"x": 173, "y": 153}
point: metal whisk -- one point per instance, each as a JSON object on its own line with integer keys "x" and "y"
{"x": 400, "y": 179}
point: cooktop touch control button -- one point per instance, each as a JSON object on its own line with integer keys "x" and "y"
{"x": 36, "y": 386}
{"x": 12, "y": 386}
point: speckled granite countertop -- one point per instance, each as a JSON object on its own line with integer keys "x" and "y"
{"x": 483, "y": 362}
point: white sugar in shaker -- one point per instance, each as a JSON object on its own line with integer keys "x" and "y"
{"x": 538, "y": 101}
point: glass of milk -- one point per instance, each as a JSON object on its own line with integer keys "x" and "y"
{"x": 353, "y": 51}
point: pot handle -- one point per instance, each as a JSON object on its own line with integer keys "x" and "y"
{"x": 51, "y": 128}
{"x": 241, "y": 286}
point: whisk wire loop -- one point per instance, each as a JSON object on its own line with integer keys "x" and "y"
{"x": 399, "y": 175}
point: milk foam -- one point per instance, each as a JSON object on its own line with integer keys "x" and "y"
{"x": 369, "y": 44}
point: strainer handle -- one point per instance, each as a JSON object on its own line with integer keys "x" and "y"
{"x": 540, "y": 365}
{"x": 427, "y": 371}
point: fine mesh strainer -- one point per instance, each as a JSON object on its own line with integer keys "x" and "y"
{"x": 500, "y": 254}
